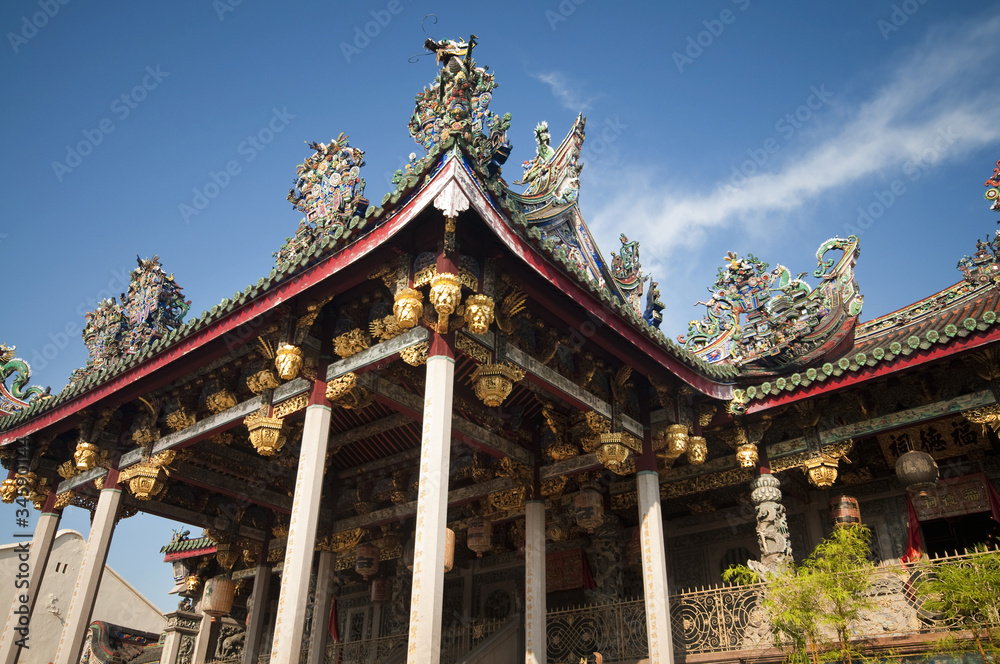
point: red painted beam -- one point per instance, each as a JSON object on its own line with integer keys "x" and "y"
{"x": 193, "y": 349}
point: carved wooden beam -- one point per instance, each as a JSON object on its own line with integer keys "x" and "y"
{"x": 389, "y": 423}
{"x": 553, "y": 381}
{"x": 905, "y": 418}
{"x": 242, "y": 490}
{"x": 377, "y": 354}
{"x": 192, "y": 518}
{"x": 406, "y": 510}
{"x": 472, "y": 434}
{"x": 726, "y": 469}
{"x": 227, "y": 419}
{"x": 574, "y": 466}
{"x": 385, "y": 462}
{"x": 81, "y": 479}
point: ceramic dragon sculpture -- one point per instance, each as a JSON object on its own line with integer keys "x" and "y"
{"x": 768, "y": 319}
{"x": 18, "y": 395}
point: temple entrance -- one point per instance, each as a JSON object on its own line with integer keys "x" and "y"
{"x": 958, "y": 533}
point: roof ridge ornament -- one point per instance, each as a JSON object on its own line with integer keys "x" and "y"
{"x": 983, "y": 267}
{"x": 554, "y": 173}
{"x": 153, "y": 306}
{"x": 329, "y": 190}
{"x": 457, "y": 104}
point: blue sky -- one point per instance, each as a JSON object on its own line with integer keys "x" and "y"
{"x": 712, "y": 126}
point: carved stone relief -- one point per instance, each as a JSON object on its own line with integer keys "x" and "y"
{"x": 606, "y": 557}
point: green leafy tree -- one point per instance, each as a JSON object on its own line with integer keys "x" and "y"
{"x": 828, "y": 590}
{"x": 966, "y": 593}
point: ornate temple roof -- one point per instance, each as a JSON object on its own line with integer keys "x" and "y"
{"x": 897, "y": 340}
{"x": 763, "y": 326}
{"x": 770, "y": 322}
{"x": 182, "y": 547}
{"x": 949, "y": 321}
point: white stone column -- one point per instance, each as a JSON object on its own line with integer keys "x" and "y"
{"x": 427, "y": 593}
{"x": 289, "y": 627}
{"x": 37, "y": 559}
{"x": 654, "y": 568}
{"x": 534, "y": 583}
{"x": 320, "y": 632}
{"x": 91, "y": 570}
{"x": 258, "y": 613}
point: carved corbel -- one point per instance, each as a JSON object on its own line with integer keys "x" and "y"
{"x": 345, "y": 392}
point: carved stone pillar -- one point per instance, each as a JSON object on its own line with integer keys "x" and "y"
{"x": 179, "y": 636}
{"x": 321, "y": 608}
{"x": 37, "y": 557}
{"x": 91, "y": 570}
{"x": 290, "y": 622}
{"x": 772, "y": 527}
{"x": 427, "y": 594}
{"x": 258, "y": 612}
{"x": 534, "y": 583}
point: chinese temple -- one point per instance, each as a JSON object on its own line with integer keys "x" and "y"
{"x": 447, "y": 427}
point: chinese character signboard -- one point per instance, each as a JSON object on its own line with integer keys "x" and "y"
{"x": 942, "y": 440}
{"x": 952, "y": 497}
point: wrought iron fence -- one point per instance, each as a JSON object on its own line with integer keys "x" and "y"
{"x": 367, "y": 651}
{"x": 718, "y": 619}
{"x": 617, "y": 631}
{"x": 727, "y": 618}
{"x": 455, "y": 642}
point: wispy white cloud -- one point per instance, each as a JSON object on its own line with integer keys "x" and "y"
{"x": 935, "y": 92}
{"x": 568, "y": 94}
